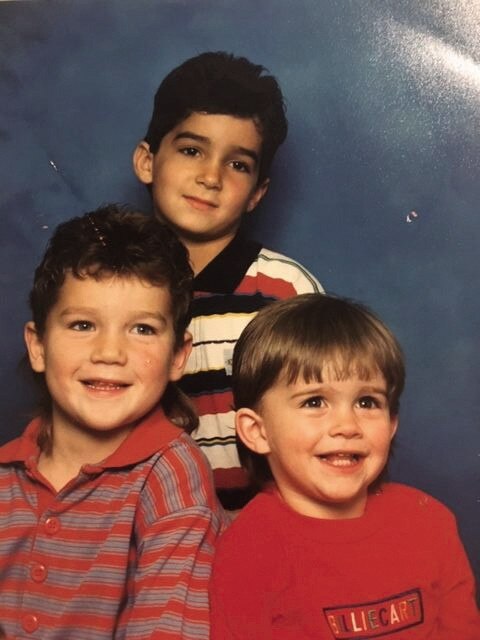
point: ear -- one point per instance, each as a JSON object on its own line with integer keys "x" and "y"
{"x": 258, "y": 194}
{"x": 143, "y": 162}
{"x": 180, "y": 358}
{"x": 393, "y": 426}
{"x": 251, "y": 431}
{"x": 34, "y": 344}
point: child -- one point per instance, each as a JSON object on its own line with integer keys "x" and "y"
{"x": 216, "y": 125}
{"x": 326, "y": 550}
{"x": 108, "y": 515}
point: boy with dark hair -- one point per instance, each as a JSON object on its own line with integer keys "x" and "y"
{"x": 327, "y": 550}
{"x": 216, "y": 125}
{"x": 108, "y": 515}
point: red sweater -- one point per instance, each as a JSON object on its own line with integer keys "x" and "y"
{"x": 398, "y": 572}
{"x": 123, "y": 551}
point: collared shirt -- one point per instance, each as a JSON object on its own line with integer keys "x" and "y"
{"x": 229, "y": 292}
{"x": 123, "y": 551}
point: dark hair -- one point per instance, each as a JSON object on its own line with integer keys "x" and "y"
{"x": 117, "y": 240}
{"x": 220, "y": 83}
{"x": 297, "y": 337}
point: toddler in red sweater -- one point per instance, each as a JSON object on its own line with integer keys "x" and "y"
{"x": 327, "y": 549}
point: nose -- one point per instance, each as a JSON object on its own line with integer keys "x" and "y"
{"x": 109, "y": 348}
{"x": 345, "y": 424}
{"x": 210, "y": 175}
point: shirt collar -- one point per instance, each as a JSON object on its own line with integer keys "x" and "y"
{"x": 224, "y": 273}
{"x": 153, "y": 434}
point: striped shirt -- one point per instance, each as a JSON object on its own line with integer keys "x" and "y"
{"x": 229, "y": 292}
{"x": 123, "y": 551}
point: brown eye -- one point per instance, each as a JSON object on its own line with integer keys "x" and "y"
{"x": 81, "y": 325}
{"x": 367, "y": 402}
{"x": 144, "y": 330}
{"x": 314, "y": 402}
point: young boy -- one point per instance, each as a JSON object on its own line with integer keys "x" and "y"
{"x": 216, "y": 125}
{"x": 326, "y": 550}
{"x": 108, "y": 516}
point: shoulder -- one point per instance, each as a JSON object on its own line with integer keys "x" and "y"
{"x": 271, "y": 264}
{"x": 179, "y": 477}
{"x": 257, "y": 526}
{"x": 252, "y": 547}
{"x": 412, "y": 503}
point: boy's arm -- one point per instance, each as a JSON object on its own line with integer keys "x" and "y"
{"x": 458, "y": 613}
{"x": 176, "y": 528}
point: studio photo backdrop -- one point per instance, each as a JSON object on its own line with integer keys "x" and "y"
{"x": 376, "y": 190}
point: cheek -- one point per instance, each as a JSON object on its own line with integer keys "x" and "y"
{"x": 289, "y": 447}
{"x": 153, "y": 365}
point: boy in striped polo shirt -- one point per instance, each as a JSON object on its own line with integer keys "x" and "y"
{"x": 108, "y": 515}
{"x": 216, "y": 125}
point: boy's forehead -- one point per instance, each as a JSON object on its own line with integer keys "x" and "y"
{"x": 75, "y": 285}
{"x": 218, "y": 121}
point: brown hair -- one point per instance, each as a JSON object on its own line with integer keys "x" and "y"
{"x": 117, "y": 240}
{"x": 217, "y": 82}
{"x": 297, "y": 337}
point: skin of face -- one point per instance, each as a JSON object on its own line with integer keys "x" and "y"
{"x": 204, "y": 176}
{"x": 326, "y": 442}
{"x": 107, "y": 353}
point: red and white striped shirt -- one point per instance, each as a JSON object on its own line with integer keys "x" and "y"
{"x": 229, "y": 292}
{"x": 123, "y": 551}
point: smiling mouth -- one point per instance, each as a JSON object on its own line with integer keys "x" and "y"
{"x": 338, "y": 459}
{"x": 198, "y": 203}
{"x": 104, "y": 385}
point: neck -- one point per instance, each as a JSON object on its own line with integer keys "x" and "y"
{"x": 71, "y": 450}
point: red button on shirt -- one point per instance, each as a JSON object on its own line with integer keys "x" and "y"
{"x": 52, "y": 526}
{"x": 30, "y": 623}
{"x": 38, "y": 572}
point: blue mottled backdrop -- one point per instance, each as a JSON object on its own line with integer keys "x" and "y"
{"x": 377, "y": 189}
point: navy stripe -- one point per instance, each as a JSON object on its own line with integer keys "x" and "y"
{"x": 229, "y": 304}
{"x": 225, "y": 272}
{"x": 205, "y": 383}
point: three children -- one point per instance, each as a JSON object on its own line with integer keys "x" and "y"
{"x": 217, "y": 123}
{"x": 327, "y": 550}
{"x": 108, "y": 511}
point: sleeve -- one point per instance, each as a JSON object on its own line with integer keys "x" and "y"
{"x": 305, "y": 282}
{"x": 458, "y": 615}
{"x": 281, "y": 277}
{"x": 176, "y": 530}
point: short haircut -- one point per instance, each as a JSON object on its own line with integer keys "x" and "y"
{"x": 296, "y": 338}
{"x": 221, "y": 83}
{"x": 116, "y": 240}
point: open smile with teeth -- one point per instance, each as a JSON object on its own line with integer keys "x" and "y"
{"x": 339, "y": 459}
{"x": 104, "y": 385}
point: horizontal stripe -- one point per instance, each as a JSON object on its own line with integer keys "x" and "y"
{"x": 218, "y": 320}
{"x": 128, "y": 555}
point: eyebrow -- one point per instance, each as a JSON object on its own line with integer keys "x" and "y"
{"x": 139, "y": 315}
{"x": 320, "y": 386}
{"x": 190, "y": 135}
